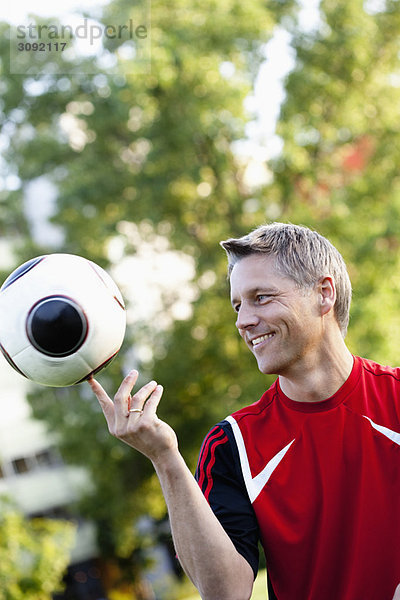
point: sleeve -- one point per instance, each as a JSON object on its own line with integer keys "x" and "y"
{"x": 221, "y": 481}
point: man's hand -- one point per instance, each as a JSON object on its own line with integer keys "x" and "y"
{"x": 141, "y": 428}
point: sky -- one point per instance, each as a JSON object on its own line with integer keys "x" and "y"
{"x": 14, "y": 12}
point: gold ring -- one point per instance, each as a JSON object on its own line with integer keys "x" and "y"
{"x": 138, "y": 410}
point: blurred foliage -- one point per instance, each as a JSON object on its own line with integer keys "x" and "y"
{"x": 34, "y": 554}
{"x": 338, "y": 170}
{"x": 156, "y": 150}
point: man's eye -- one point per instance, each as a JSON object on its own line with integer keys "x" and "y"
{"x": 262, "y": 298}
{"x": 236, "y": 307}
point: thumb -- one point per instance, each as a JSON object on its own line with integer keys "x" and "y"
{"x": 397, "y": 593}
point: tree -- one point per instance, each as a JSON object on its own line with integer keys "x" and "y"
{"x": 156, "y": 150}
{"x": 337, "y": 171}
{"x": 152, "y": 163}
{"x": 33, "y": 554}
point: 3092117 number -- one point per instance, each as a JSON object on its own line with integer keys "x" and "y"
{"x": 41, "y": 46}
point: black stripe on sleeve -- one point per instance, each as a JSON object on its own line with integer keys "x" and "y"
{"x": 220, "y": 478}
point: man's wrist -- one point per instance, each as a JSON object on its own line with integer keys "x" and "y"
{"x": 168, "y": 461}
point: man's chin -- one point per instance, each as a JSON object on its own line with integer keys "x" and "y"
{"x": 267, "y": 368}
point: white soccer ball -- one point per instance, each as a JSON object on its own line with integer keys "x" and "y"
{"x": 62, "y": 318}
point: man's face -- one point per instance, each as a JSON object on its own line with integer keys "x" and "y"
{"x": 280, "y": 323}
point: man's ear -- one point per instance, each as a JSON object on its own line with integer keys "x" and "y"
{"x": 327, "y": 294}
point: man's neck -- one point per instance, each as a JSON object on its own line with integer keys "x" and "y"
{"x": 321, "y": 379}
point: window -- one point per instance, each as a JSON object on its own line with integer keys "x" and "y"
{"x": 20, "y": 465}
{"x": 46, "y": 458}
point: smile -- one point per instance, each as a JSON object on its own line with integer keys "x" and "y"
{"x": 262, "y": 338}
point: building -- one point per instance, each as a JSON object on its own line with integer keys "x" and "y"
{"x": 34, "y": 476}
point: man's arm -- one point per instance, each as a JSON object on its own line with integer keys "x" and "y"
{"x": 205, "y": 551}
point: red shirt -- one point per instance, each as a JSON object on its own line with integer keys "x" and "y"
{"x": 319, "y": 483}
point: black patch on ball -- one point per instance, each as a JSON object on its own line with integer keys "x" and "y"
{"x": 56, "y": 326}
{"x": 21, "y": 270}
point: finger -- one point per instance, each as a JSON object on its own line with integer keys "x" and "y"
{"x": 152, "y": 403}
{"x": 138, "y": 400}
{"x": 126, "y": 386}
{"x": 122, "y": 397}
{"x": 105, "y": 401}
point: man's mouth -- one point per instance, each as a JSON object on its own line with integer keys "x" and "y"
{"x": 261, "y": 339}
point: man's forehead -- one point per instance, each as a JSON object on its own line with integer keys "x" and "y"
{"x": 255, "y": 265}
{"x": 254, "y": 272}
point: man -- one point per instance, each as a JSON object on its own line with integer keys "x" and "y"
{"x": 313, "y": 468}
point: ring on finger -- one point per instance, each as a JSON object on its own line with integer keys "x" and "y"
{"x": 138, "y": 410}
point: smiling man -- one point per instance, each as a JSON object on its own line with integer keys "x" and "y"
{"x": 317, "y": 457}
{"x": 312, "y": 469}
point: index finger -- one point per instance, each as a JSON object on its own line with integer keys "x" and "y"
{"x": 105, "y": 401}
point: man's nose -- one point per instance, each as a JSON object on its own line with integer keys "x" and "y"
{"x": 246, "y": 317}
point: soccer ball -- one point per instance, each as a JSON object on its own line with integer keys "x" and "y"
{"x": 62, "y": 318}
